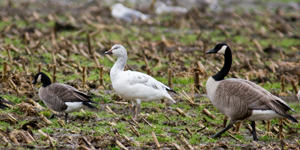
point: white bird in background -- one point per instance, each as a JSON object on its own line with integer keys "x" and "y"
{"x": 298, "y": 95}
{"x": 135, "y": 86}
{"x": 201, "y": 5}
{"x": 163, "y": 8}
{"x": 126, "y": 14}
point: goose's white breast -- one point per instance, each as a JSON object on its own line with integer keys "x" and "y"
{"x": 211, "y": 87}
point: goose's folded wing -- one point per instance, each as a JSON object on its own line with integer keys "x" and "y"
{"x": 141, "y": 78}
{"x": 253, "y": 95}
{"x": 257, "y": 87}
{"x": 68, "y": 93}
{"x": 276, "y": 101}
{"x": 52, "y": 100}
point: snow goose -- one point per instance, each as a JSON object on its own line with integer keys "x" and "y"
{"x": 61, "y": 97}
{"x": 119, "y": 11}
{"x": 135, "y": 86}
{"x": 4, "y": 103}
{"x": 240, "y": 99}
{"x": 162, "y": 8}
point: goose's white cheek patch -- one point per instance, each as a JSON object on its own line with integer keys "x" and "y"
{"x": 222, "y": 50}
{"x": 39, "y": 79}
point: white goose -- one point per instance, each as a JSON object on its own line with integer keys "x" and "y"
{"x": 126, "y": 14}
{"x": 135, "y": 86}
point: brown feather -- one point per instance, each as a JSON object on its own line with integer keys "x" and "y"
{"x": 55, "y": 95}
{"x": 236, "y": 98}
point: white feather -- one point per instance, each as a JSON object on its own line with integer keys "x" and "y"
{"x": 263, "y": 115}
{"x": 128, "y": 85}
{"x": 73, "y": 106}
{"x": 126, "y": 14}
{"x": 163, "y": 8}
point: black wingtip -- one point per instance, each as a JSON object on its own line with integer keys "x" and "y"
{"x": 4, "y": 103}
{"x": 88, "y": 104}
{"x": 2, "y": 106}
{"x": 293, "y": 119}
{"x": 287, "y": 107}
{"x": 83, "y": 94}
{"x": 171, "y": 90}
{"x": 93, "y": 102}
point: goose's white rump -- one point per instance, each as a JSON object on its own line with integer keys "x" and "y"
{"x": 73, "y": 106}
{"x": 263, "y": 115}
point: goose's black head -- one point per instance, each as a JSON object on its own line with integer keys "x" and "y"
{"x": 225, "y": 50}
{"x": 41, "y": 78}
{"x": 219, "y": 48}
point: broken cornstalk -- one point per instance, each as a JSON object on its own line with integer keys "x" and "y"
{"x": 155, "y": 140}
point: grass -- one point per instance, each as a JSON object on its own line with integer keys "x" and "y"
{"x": 182, "y": 37}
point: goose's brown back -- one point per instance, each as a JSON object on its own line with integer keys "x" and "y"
{"x": 237, "y": 98}
{"x": 55, "y": 95}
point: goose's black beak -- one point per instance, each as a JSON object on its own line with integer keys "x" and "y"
{"x": 109, "y": 51}
{"x": 33, "y": 82}
{"x": 211, "y": 51}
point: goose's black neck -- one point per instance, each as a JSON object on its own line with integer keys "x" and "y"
{"x": 45, "y": 80}
{"x": 226, "y": 67}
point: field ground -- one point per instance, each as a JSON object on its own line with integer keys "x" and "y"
{"x": 48, "y": 35}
